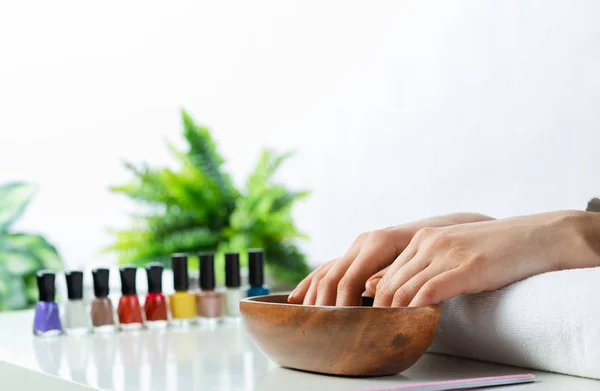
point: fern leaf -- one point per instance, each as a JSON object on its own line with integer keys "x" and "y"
{"x": 147, "y": 186}
{"x": 266, "y": 167}
{"x": 141, "y": 247}
{"x": 204, "y": 155}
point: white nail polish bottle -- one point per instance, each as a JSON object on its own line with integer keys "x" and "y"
{"x": 76, "y": 321}
{"x": 233, "y": 291}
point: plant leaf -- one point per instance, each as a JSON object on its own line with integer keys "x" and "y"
{"x": 4, "y": 278}
{"x": 17, "y": 299}
{"x": 147, "y": 186}
{"x": 196, "y": 207}
{"x": 14, "y": 198}
{"x": 35, "y": 247}
{"x": 266, "y": 167}
{"x": 31, "y": 290}
{"x": 19, "y": 263}
{"x": 140, "y": 247}
{"x": 203, "y": 153}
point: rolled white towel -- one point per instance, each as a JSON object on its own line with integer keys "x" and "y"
{"x": 549, "y": 322}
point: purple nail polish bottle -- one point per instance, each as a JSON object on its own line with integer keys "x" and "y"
{"x": 46, "y": 322}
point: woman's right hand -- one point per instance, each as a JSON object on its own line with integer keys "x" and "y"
{"x": 342, "y": 281}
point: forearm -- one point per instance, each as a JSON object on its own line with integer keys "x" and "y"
{"x": 580, "y": 244}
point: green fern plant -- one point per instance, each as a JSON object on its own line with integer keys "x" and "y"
{"x": 197, "y": 208}
{"x": 21, "y": 254}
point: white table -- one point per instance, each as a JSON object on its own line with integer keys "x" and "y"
{"x": 201, "y": 359}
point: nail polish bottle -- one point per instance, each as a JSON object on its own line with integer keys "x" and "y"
{"x": 103, "y": 319}
{"x": 256, "y": 264}
{"x": 155, "y": 306}
{"x": 233, "y": 291}
{"x": 76, "y": 315}
{"x": 208, "y": 301}
{"x": 129, "y": 308}
{"x": 46, "y": 322}
{"x": 182, "y": 302}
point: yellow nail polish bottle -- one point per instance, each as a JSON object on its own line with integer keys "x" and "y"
{"x": 182, "y": 302}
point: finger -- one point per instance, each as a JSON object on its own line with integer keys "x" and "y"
{"x": 345, "y": 287}
{"x": 407, "y": 291}
{"x": 311, "y": 295}
{"x": 404, "y": 268}
{"x": 352, "y": 284}
{"x": 442, "y": 287}
{"x": 326, "y": 290}
{"x": 409, "y": 253}
{"x": 371, "y": 284}
{"x": 297, "y": 295}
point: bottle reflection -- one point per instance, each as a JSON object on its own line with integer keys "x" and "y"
{"x": 239, "y": 359}
{"x": 183, "y": 345}
{"x": 77, "y": 353}
{"x": 156, "y": 344}
{"x": 130, "y": 352}
{"x": 103, "y": 354}
{"x": 214, "y": 371}
{"x": 48, "y": 354}
{"x": 185, "y": 376}
{"x": 222, "y": 360}
{"x": 184, "y": 351}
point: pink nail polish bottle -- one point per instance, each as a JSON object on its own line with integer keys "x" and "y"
{"x": 209, "y": 302}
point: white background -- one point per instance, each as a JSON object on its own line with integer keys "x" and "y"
{"x": 398, "y": 110}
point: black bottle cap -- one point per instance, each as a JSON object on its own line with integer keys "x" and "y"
{"x": 154, "y": 273}
{"x": 232, "y": 270}
{"x": 256, "y": 262}
{"x": 594, "y": 205}
{"x": 207, "y": 271}
{"x": 74, "y": 284}
{"x": 100, "y": 277}
{"x": 45, "y": 282}
{"x": 128, "y": 280}
{"x": 179, "y": 264}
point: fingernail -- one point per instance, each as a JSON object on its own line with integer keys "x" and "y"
{"x": 291, "y": 295}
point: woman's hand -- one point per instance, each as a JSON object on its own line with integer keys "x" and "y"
{"x": 440, "y": 263}
{"x": 342, "y": 281}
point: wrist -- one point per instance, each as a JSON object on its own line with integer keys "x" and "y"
{"x": 579, "y": 239}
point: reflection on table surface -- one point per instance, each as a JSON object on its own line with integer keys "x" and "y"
{"x": 223, "y": 358}
{"x": 220, "y": 358}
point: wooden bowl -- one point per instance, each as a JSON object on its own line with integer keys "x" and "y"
{"x": 349, "y": 341}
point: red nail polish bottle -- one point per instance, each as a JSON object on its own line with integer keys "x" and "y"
{"x": 155, "y": 306}
{"x": 129, "y": 309}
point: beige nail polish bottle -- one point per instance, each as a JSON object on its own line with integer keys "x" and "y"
{"x": 208, "y": 300}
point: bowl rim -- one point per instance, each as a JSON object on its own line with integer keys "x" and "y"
{"x": 255, "y": 300}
